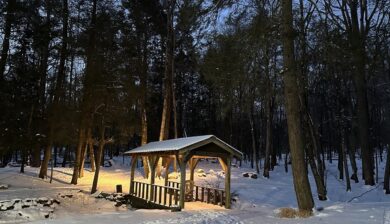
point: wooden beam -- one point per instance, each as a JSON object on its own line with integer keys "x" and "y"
{"x": 203, "y": 154}
{"x": 182, "y": 164}
{"x": 227, "y": 182}
{"x": 204, "y": 157}
{"x": 132, "y": 169}
{"x": 223, "y": 164}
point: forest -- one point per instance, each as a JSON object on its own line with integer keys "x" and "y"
{"x": 303, "y": 82}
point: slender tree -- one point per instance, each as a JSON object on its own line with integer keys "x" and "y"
{"x": 291, "y": 92}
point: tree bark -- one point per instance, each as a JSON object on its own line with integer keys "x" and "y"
{"x": 253, "y": 140}
{"x": 352, "y": 158}
{"x": 65, "y": 157}
{"x": 168, "y": 77}
{"x": 58, "y": 92}
{"x": 321, "y": 189}
{"x": 340, "y": 160}
{"x": 82, "y": 158}
{"x": 168, "y": 80}
{"x": 144, "y": 88}
{"x": 344, "y": 149}
{"x": 10, "y": 17}
{"x": 102, "y": 142}
{"x": 291, "y": 92}
{"x": 386, "y": 184}
{"x": 30, "y": 138}
{"x": 86, "y": 104}
{"x": 76, "y": 168}
{"x": 36, "y": 155}
{"x": 91, "y": 154}
{"x": 357, "y": 39}
{"x": 268, "y": 144}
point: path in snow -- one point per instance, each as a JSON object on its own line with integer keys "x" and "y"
{"x": 201, "y": 217}
{"x": 386, "y": 218}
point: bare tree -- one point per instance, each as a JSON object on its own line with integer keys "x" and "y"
{"x": 291, "y": 92}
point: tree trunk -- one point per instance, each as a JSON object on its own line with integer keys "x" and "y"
{"x": 46, "y": 159}
{"x": 321, "y": 189}
{"x": 54, "y": 107}
{"x": 357, "y": 39}
{"x": 340, "y": 164}
{"x": 91, "y": 154}
{"x": 65, "y": 157}
{"x": 253, "y": 140}
{"x": 351, "y": 152}
{"x": 386, "y": 184}
{"x": 168, "y": 80}
{"x": 168, "y": 77}
{"x": 36, "y": 155}
{"x": 102, "y": 142}
{"x": 30, "y": 138}
{"x": 144, "y": 88}
{"x": 10, "y": 17}
{"x": 86, "y": 104}
{"x": 76, "y": 167}
{"x": 268, "y": 144}
{"x": 82, "y": 158}
{"x": 286, "y": 162}
{"x": 344, "y": 149}
{"x": 301, "y": 181}
{"x": 55, "y": 156}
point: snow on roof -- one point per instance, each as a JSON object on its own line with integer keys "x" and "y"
{"x": 179, "y": 144}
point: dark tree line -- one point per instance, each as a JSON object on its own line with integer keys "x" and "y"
{"x": 307, "y": 80}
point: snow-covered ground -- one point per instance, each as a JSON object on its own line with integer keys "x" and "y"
{"x": 258, "y": 200}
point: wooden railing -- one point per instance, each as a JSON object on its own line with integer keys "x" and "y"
{"x": 209, "y": 195}
{"x": 174, "y": 184}
{"x": 203, "y": 194}
{"x": 162, "y": 195}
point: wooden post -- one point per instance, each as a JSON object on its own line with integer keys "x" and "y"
{"x": 167, "y": 165}
{"x": 227, "y": 182}
{"x": 133, "y": 163}
{"x": 182, "y": 164}
{"x": 152, "y": 160}
{"x": 192, "y": 164}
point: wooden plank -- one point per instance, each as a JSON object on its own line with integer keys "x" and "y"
{"x": 202, "y": 194}
{"x": 135, "y": 189}
{"x": 215, "y": 196}
{"x": 176, "y": 196}
{"x": 143, "y": 190}
{"x": 147, "y": 192}
{"x": 170, "y": 200}
{"x": 159, "y": 194}
{"x": 221, "y": 198}
{"x": 155, "y": 193}
{"x": 208, "y": 195}
{"x": 165, "y": 195}
{"x": 196, "y": 192}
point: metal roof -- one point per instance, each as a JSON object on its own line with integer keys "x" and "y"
{"x": 181, "y": 144}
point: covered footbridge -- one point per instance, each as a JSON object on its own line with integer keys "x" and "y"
{"x": 186, "y": 152}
